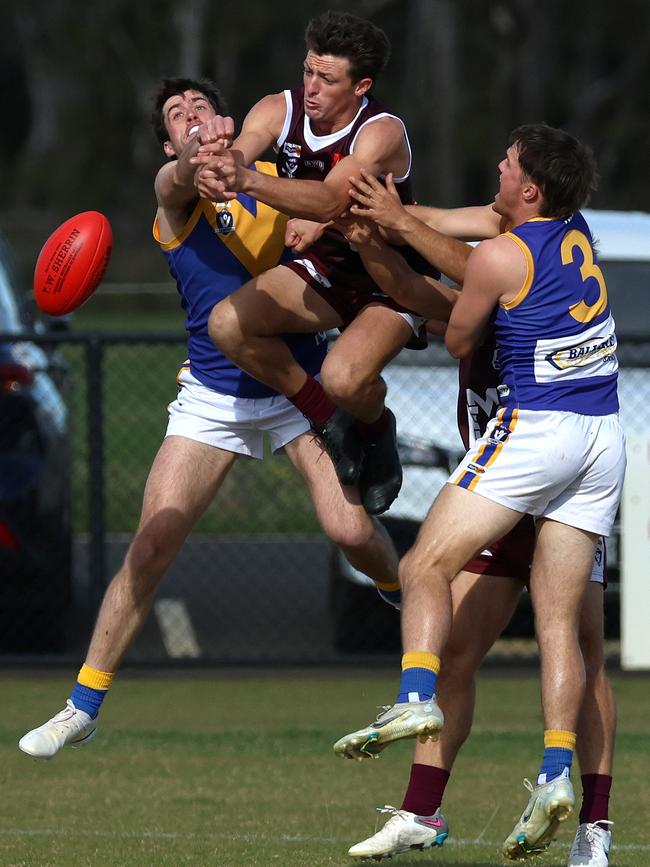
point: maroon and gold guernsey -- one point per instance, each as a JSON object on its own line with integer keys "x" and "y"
{"x": 331, "y": 266}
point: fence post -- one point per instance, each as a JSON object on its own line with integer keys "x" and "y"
{"x": 96, "y": 489}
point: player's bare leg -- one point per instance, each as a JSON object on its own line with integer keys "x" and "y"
{"x": 562, "y": 565}
{"x": 351, "y": 372}
{"x": 482, "y": 606}
{"x": 596, "y": 734}
{"x": 246, "y": 327}
{"x": 184, "y": 478}
{"x": 459, "y": 524}
{"x": 183, "y": 481}
{"x": 363, "y": 540}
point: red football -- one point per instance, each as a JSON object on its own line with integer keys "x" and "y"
{"x": 72, "y": 263}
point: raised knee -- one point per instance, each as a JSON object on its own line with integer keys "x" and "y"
{"x": 349, "y": 535}
{"x": 343, "y": 381}
{"x": 224, "y": 327}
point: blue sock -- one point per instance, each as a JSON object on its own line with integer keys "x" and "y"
{"x": 555, "y": 760}
{"x": 419, "y": 676}
{"x": 87, "y": 699}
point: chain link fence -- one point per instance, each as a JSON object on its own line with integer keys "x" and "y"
{"x": 257, "y": 581}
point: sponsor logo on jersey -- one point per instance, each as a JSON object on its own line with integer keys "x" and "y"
{"x": 315, "y": 164}
{"x": 583, "y": 353}
{"x": 291, "y": 149}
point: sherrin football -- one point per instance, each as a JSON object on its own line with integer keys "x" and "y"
{"x": 72, "y": 263}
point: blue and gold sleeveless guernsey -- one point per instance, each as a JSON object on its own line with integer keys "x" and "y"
{"x": 222, "y": 246}
{"x": 556, "y": 338}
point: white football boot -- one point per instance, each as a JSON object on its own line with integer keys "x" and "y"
{"x": 591, "y": 845}
{"x": 403, "y": 832}
{"x": 70, "y": 727}
{"x": 549, "y": 804}
{"x": 411, "y": 719}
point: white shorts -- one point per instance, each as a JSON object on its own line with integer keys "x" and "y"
{"x": 559, "y": 465}
{"x": 235, "y": 424}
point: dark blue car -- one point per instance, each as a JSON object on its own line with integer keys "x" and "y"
{"x": 35, "y": 526}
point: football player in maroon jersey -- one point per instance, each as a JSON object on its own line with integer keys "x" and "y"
{"x": 323, "y": 131}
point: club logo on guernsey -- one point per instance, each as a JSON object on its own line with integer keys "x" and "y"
{"x": 500, "y": 433}
{"x": 225, "y": 224}
{"x": 292, "y": 161}
{"x": 583, "y": 354}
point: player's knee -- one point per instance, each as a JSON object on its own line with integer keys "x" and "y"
{"x": 148, "y": 558}
{"x": 344, "y": 380}
{"x": 224, "y": 327}
{"x": 411, "y": 569}
{"x": 350, "y": 535}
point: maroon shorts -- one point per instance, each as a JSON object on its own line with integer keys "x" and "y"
{"x": 510, "y": 557}
{"x": 347, "y": 292}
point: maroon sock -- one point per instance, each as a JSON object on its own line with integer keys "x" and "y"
{"x": 370, "y": 430}
{"x": 313, "y": 403}
{"x": 425, "y": 790}
{"x": 595, "y": 797}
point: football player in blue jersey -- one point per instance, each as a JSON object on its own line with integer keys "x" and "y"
{"x": 554, "y": 450}
{"x": 220, "y": 412}
{"x": 484, "y": 594}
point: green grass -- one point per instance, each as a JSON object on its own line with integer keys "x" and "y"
{"x": 236, "y": 770}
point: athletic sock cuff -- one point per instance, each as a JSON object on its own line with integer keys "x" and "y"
{"x": 556, "y": 738}
{"x": 94, "y": 678}
{"x": 419, "y": 659}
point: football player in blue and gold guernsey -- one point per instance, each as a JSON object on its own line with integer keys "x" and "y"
{"x": 555, "y": 450}
{"x": 220, "y": 411}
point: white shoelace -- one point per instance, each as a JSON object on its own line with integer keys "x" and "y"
{"x": 587, "y": 840}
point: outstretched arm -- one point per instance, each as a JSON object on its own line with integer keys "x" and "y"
{"x": 379, "y": 145}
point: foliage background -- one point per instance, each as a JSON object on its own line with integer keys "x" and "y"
{"x": 76, "y": 81}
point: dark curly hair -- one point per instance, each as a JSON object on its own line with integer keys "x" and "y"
{"x": 360, "y": 42}
{"x": 562, "y": 167}
{"x": 177, "y": 87}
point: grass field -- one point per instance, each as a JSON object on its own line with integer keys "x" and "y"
{"x": 236, "y": 770}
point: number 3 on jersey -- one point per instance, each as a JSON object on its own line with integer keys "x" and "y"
{"x": 581, "y": 311}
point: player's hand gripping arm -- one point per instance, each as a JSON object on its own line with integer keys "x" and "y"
{"x": 320, "y": 201}
{"x": 394, "y": 275}
{"x": 382, "y": 205}
{"x": 220, "y": 166}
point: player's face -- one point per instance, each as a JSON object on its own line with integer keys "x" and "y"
{"x": 330, "y": 93}
{"x": 182, "y": 115}
{"x": 511, "y": 183}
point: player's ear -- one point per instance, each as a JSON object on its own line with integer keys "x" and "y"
{"x": 530, "y": 192}
{"x": 169, "y": 150}
{"x": 362, "y": 86}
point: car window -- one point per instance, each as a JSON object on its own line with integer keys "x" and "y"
{"x": 9, "y": 313}
{"x": 628, "y": 286}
